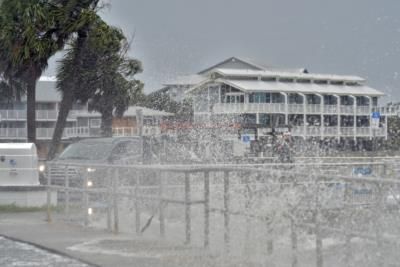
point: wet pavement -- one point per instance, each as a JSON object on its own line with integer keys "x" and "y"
{"x": 89, "y": 245}
{"x": 14, "y": 253}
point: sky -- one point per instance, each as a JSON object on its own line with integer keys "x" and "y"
{"x": 176, "y": 37}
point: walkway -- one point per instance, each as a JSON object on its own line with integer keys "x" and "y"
{"x": 98, "y": 247}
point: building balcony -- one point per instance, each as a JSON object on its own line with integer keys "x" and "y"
{"x": 41, "y": 115}
{"x": 238, "y": 108}
{"x": 74, "y": 132}
{"x": 332, "y": 131}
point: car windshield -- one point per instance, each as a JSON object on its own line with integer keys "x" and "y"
{"x": 86, "y": 151}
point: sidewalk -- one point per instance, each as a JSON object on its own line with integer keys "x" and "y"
{"x": 98, "y": 247}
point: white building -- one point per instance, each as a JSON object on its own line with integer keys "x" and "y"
{"x": 80, "y": 122}
{"x": 313, "y": 105}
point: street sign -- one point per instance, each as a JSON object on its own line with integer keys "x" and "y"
{"x": 375, "y": 119}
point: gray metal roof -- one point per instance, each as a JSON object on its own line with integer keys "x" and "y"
{"x": 305, "y": 88}
{"x": 46, "y": 91}
{"x": 289, "y": 75}
{"x": 285, "y": 87}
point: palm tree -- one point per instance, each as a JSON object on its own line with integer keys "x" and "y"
{"x": 97, "y": 69}
{"x": 31, "y": 31}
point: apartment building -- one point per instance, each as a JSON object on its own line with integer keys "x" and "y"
{"x": 239, "y": 92}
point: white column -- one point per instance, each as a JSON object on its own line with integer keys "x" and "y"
{"x": 322, "y": 115}
{"x": 338, "y": 115}
{"x": 304, "y": 115}
{"x": 386, "y": 127}
{"x": 370, "y": 120}
{"x": 354, "y": 117}
{"x": 286, "y": 107}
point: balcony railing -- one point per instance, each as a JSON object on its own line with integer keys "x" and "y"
{"x": 230, "y": 108}
{"x": 332, "y": 131}
{"x": 48, "y": 115}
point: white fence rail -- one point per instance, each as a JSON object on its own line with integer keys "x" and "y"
{"x": 252, "y": 205}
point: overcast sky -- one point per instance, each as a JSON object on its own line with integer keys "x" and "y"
{"x": 173, "y": 37}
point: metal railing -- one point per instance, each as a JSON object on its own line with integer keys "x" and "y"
{"x": 272, "y": 202}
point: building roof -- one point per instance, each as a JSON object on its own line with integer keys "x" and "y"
{"x": 146, "y": 112}
{"x": 230, "y": 63}
{"x": 130, "y": 112}
{"x": 305, "y": 88}
{"x": 185, "y": 80}
{"x": 46, "y": 91}
{"x": 285, "y": 74}
{"x": 250, "y": 64}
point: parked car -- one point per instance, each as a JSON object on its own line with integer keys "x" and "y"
{"x": 95, "y": 152}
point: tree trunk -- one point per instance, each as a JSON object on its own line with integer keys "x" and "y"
{"x": 65, "y": 107}
{"x": 31, "y": 108}
{"x": 106, "y": 123}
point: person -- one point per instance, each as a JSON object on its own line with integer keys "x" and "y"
{"x": 284, "y": 148}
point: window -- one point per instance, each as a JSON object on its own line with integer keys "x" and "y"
{"x": 95, "y": 123}
{"x": 260, "y": 98}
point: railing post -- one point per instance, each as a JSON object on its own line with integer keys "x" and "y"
{"x": 378, "y": 232}
{"x": 85, "y": 197}
{"x": 49, "y": 219}
{"x": 226, "y": 211}
{"x": 206, "y": 208}
{"x": 137, "y": 204}
{"x": 293, "y": 237}
{"x": 161, "y": 204}
{"x": 108, "y": 184}
{"x": 187, "y": 209}
{"x": 318, "y": 236}
{"x": 248, "y": 197}
{"x": 348, "y": 225}
{"x": 66, "y": 191}
{"x": 115, "y": 182}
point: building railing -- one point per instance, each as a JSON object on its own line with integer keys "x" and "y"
{"x": 223, "y": 108}
{"x": 332, "y": 131}
{"x": 124, "y": 131}
{"x": 72, "y": 132}
{"x": 51, "y": 115}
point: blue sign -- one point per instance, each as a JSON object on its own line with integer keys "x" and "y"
{"x": 13, "y": 162}
{"x": 363, "y": 171}
{"x": 245, "y": 138}
{"x": 376, "y": 115}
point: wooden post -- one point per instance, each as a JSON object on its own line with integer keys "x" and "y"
{"x": 66, "y": 191}
{"x": 108, "y": 184}
{"x": 247, "y": 208}
{"x": 293, "y": 237}
{"x": 115, "y": 182}
{"x": 137, "y": 204}
{"x": 206, "y": 208}
{"x": 139, "y": 121}
{"x": 379, "y": 206}
{"x": 270, "y": 241}
{"x": 348, "y": 225}
{"x": 85, "y": 197}
{"x": 161, "y": 204}
{"x": 187, "y": 209}
{"x": 318, "y": 234}
{"x": 226, "y": 211}
{"x": 48, "y": 197}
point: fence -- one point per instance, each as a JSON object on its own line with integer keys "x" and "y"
{"x": 270, "y": 211}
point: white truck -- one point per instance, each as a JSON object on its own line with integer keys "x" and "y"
{"x": 18, "y": 164}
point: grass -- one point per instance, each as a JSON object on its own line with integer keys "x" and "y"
{"x": 12, "y": 208}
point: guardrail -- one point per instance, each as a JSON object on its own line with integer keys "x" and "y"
{"x": 274, "y": 200}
